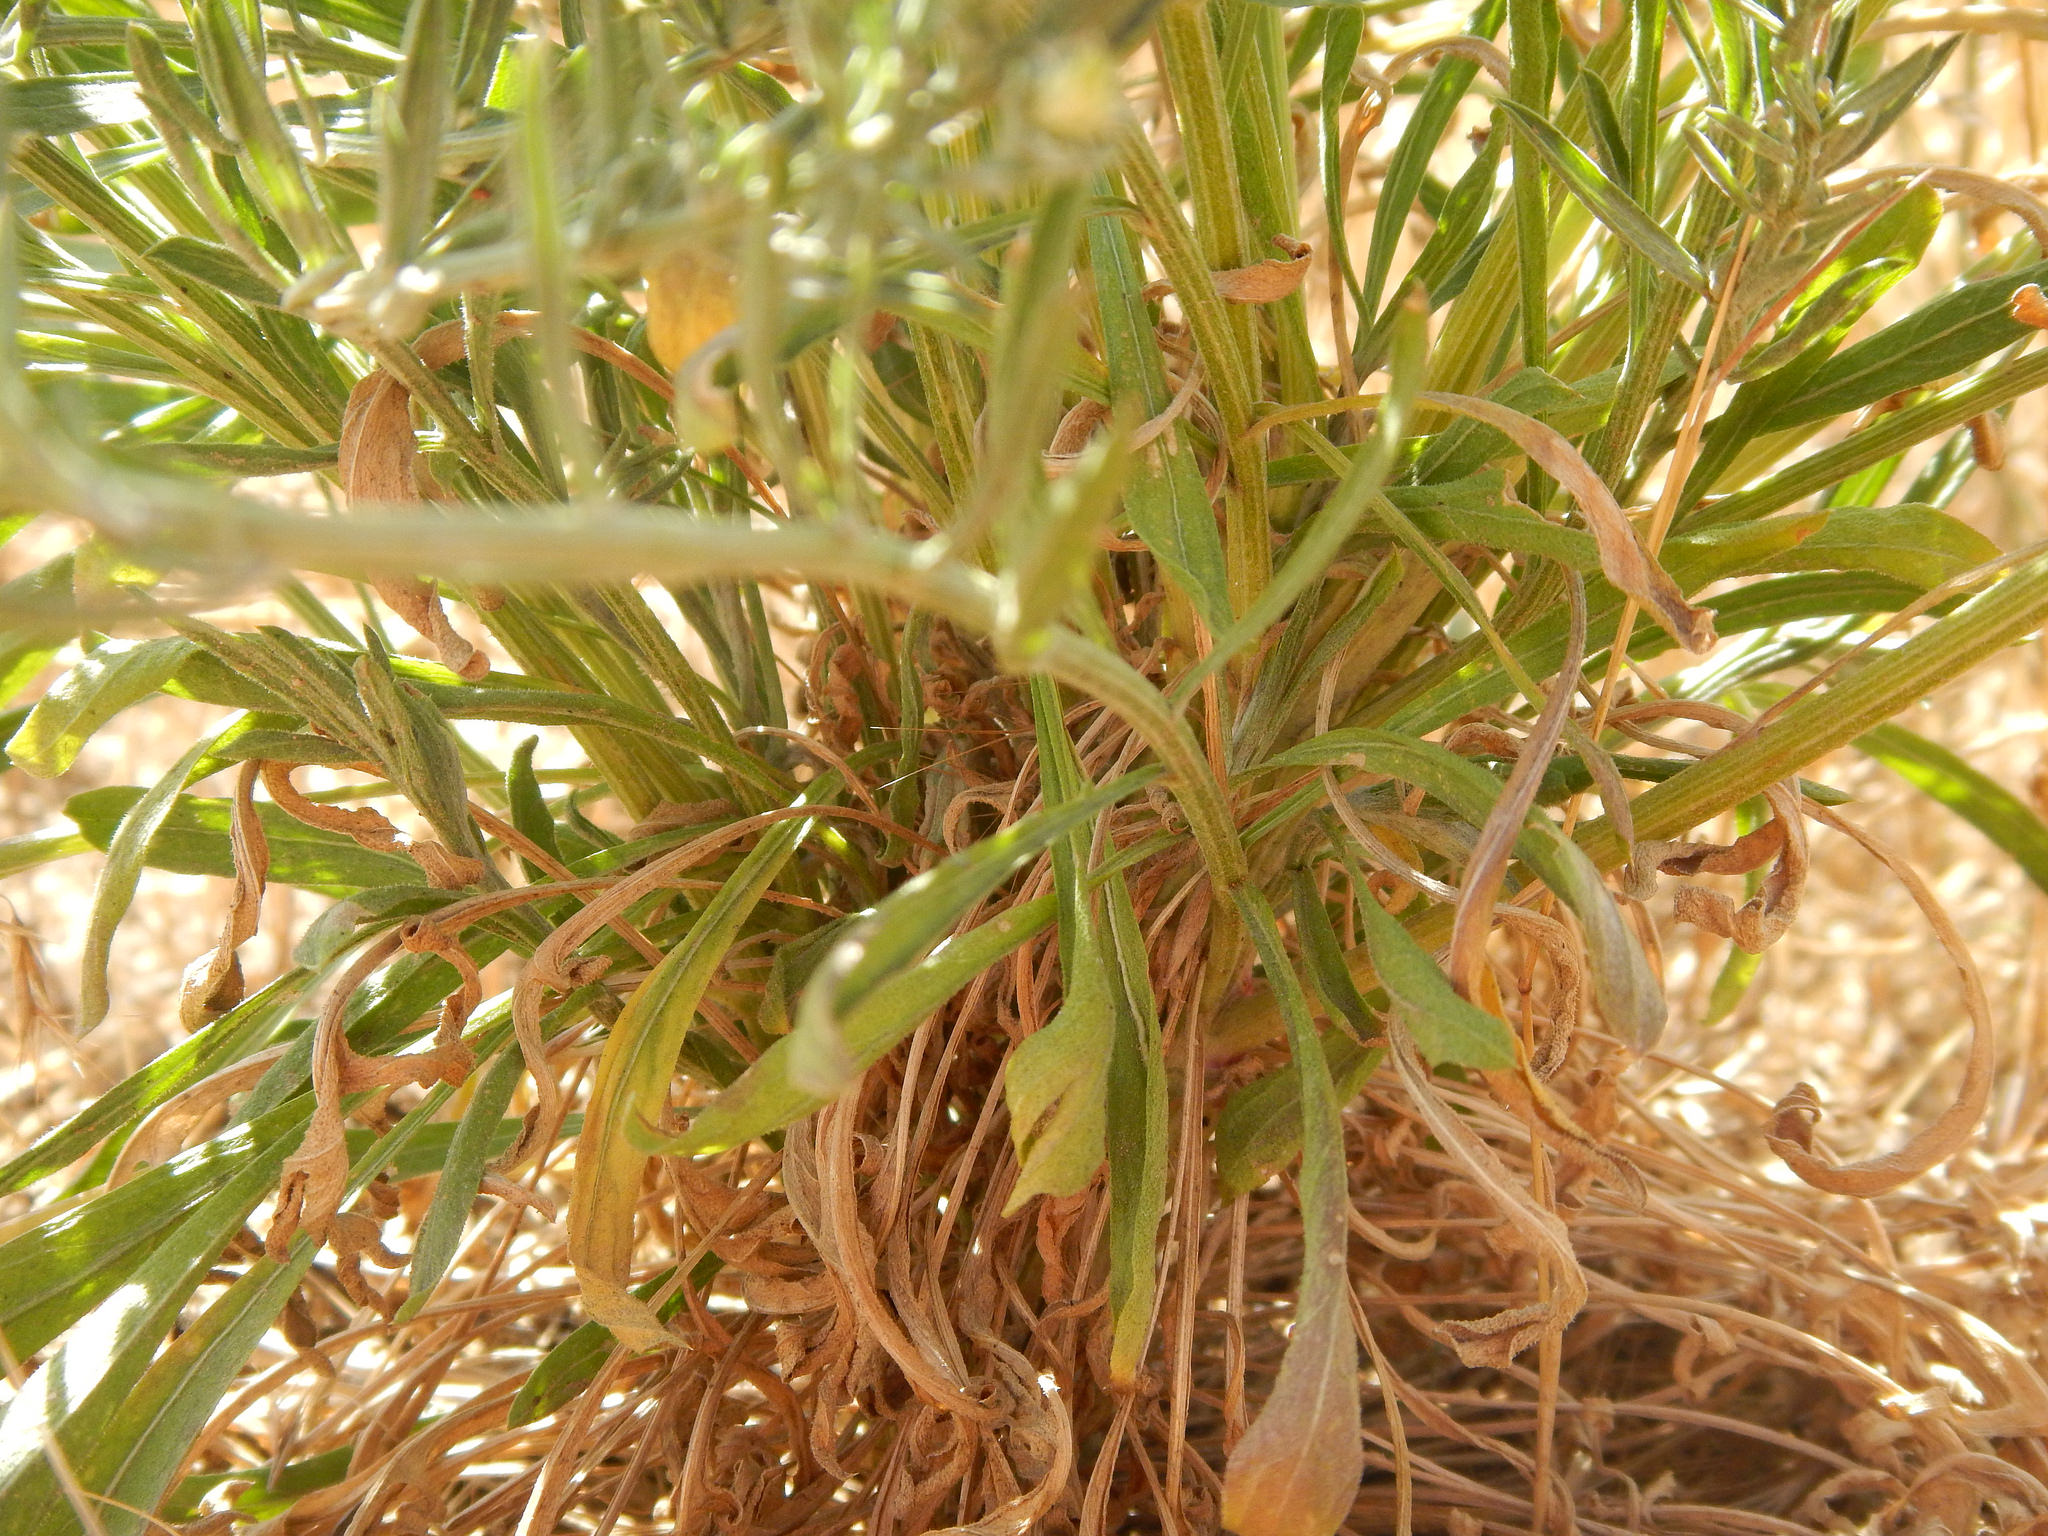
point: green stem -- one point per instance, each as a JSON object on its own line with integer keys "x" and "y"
{"x": 1529, "y": 78}
{"x": 1194, "y": 75}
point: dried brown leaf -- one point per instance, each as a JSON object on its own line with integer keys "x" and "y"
{"x": 1623, "y": 558}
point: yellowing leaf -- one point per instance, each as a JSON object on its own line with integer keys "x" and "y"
{"x": 631, "y": 1086}
{"x": 689, "y": 300}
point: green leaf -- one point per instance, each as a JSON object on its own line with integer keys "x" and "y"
{"x": 1864, "y": 116}
{"x": 1324, "y": 957}
{"x": 114, "y": 675}
{"x": 1938, "y": 339}
{"x": 53, "y": 1274}
{"x": 1259, "y": 1130}
{"x": 1445, "y": 1026}
{"x": 54, "y": 105}
{"x": 229, "y": 55}
{"x": 1056, "y": 1085}
{"x": 1836, "y": 298}
{"x": 206, "y": 678}
{"x": 231, "y": 461}
{"x": 1137, "y": 1140}
{"x": 529, "y": 808}
{"x": 630, "y": 1088}
{"x": 769, "y": 1095}
{"x": 1605, "y": 201}
{"x": 131, "y": 1450}
{"x": 215, "y": 267}
{"x": 1409, "y": 165}
{"x": 290, "y": 747}
{"x": 1310, "y": 551}
{"x": 455, "y": 1191}
{"x": 128, "y": 849}
{"x": 193, "y": 840}
{"x": 32, "y": 849}
{"x": 2013, "y": 826}
{"x": 1260, "y": 1123}
{"x": 835, "y": 1033}
{"x": 414, "y": 116}
{"x": 227, "y": 1039}
{"x": 98, "y": 1374}
{"x": 1920, "y": 545}
{"x": 1568, "y": 776}
{"x": 1164, "y": 496}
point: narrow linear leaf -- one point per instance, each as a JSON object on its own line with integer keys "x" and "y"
{"x": 1296, "y": 1471}
{"x": 1623, "y": 558}
{"x": 1137, "y": 1140}
{"x": 133, "y": 1455}
{"x": 819, "y": 1054}
{"x": 2011, "y": 824}
{"x": 631, "y": 1087}
{"x": 1605, "y": 201}
{"x": 127, "y": 852}
{"x": 114, "y": 675}
{"x": 227, "y": 1039}
{"x": 55, "y": 1273}
{"x": 767, "y": 1096}
{"x": 192, "y": 839}
{"x": 55, "y": 105}
{"x": 1164, "y": 496}
{"x": 1938, "y": 339}
{"x": 455, "y": 1191}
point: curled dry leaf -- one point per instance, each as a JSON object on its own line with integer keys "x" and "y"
{"x": 163, "y": 1132}
{"x": 213, "y": 983}
{"x": 1263, "y": 282}
{"x": 1039, "y": 1429}
{"x": 1764, "y": 919}
{"x": 445, "y": 871}
{"x": 1526, "y": 1093}
{"x": 1063, "y": 453}
{"x": 379, "y": 462}
{"x": 1790, "y": 1129}
{"x": 314, "y": 1178}
{"x": 1623, "y": 558}
{"x": 1567, "y": 984}
{"x": 1487, "y": 864}
{"x": 1271, "y": 280}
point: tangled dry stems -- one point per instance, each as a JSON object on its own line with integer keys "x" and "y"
{"x": 863, "y": 1340}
